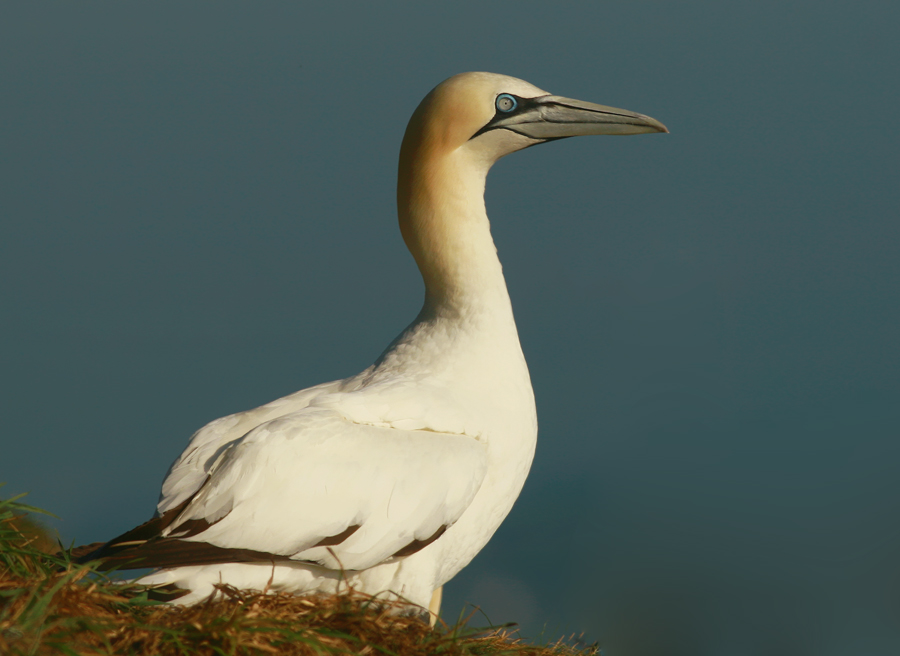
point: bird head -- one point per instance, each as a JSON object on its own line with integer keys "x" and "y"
{"x": 489, "y": 116}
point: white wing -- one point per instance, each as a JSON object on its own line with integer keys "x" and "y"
{"x": 295, "y": 484}
{"x": 191, "y": 469}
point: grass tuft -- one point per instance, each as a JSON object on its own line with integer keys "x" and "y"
{"x": 51, "y": 606}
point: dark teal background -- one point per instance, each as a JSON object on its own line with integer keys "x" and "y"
{"x": 197, "y": 216}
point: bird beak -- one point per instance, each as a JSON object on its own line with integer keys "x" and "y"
{"x": 555, "y": 117}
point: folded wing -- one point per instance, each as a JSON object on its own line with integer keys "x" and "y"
{"x": 313, "y": 486}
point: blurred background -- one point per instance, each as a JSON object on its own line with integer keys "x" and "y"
{"x": 197, "y": 216}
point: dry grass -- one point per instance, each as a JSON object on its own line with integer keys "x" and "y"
{"x": 50, "y": 606}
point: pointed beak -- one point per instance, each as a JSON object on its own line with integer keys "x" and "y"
{"x": 555, "y": 117}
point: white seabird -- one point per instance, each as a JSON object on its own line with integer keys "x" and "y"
{"x": 393, "y": 479}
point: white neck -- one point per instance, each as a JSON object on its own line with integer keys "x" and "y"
{"x": 446, "y": 228}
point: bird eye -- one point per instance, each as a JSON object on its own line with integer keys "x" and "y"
{"x": 506, "y": 102}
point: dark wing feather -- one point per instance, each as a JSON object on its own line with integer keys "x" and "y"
{"x": 144, "y": 546}
{"x": 418, "y": 545}
{"x": 172, "y": 552}
{"x": 149, "y": 530}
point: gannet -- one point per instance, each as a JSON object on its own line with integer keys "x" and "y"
{"x": 394, "y": 479}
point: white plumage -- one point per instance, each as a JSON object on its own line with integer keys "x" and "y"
{"x": 395, "y": 478}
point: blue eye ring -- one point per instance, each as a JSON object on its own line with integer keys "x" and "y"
{"x": 506, "y": 103}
